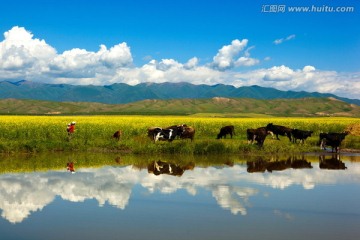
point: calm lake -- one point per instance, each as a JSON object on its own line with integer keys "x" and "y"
{"x": 106, "y": 196}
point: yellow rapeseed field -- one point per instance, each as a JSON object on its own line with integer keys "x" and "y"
{"x": 48, "y": 133}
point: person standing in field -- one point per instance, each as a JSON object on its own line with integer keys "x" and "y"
{"x": 70, "y": 129}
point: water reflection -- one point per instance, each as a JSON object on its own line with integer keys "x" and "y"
{"x": 70, "y": 167}
{"x": 232, "y": 185}
{"x": 159, "y": 167}
{"x": 333, "y": 162}
{"x": 261, "y": 164}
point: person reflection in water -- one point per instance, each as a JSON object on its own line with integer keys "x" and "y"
{"x": 70, "y": 167}
{"x": 160, "y": 167}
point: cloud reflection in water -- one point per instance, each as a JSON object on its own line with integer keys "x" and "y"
{"x": 232, "y": 187}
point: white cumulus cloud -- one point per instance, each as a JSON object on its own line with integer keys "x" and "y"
{"x": 281, "y": 73}
{"x": 225, "y": 58}
{"x": 22, "y": 56}
{"x": 306, "y": 79}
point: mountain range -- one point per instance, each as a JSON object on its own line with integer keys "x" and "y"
{"x": 214, "y": 107}
{"x": 120, "y": 93}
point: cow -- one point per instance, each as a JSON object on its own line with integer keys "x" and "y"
{"x": 257, "y": 135}
{"x": 168, "y": 134}
{"x": 151, "y": 132}
{"x": 332, "y": 139}
{"x": 188, "y": 132}
{"x": 300, "y": 134}
{"x": 333, "y": 163}
{"x": 226, "y": 130}
{"x": 117, "y": 135}
{"x": 279, "y": 130}
{"x": 180, "y": 127}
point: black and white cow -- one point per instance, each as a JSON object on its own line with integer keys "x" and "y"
{"x": 225, "y": 131}
{"x": 165, "y": 134}
{"x": 279, "y": 130}
{"x": 332, "y": 139}
{"x": 300, "y": 134}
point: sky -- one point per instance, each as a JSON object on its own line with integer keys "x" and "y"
{"x": 309, "y": 45}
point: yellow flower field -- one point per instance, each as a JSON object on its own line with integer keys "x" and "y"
{"x": 93, "y": 133}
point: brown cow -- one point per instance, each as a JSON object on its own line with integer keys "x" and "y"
{"x": 258, "y": 135}
{"x": 279, "y": 130}
{"x": 117, "y": 135}
{"x": 189, "y": 132}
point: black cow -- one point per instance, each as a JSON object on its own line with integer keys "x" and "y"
{"x": 279, "y": 130}
{"x": 168, "y": 134}
{"x": 257, "y": 135}
{"x": 332, "y": 139}
{"x": 226, "y": 130}
{"x": 300, "y": 134}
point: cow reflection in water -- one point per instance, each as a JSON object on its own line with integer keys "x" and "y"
{"x": 262, "y": 165}
{"x": 332, "y": 163}
{"x": 160, "y": 167}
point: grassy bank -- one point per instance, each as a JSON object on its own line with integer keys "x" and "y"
{"x": 93, "y": 134}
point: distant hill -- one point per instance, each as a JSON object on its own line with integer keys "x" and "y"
{"x": 123, "y": 93}
{"x": 217, "y": 106}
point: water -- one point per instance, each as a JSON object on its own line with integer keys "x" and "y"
{"x": 129, "y": 197}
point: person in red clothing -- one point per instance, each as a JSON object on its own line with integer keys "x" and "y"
{"x": 70, "y": 128}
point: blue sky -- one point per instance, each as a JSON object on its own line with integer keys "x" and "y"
{"x": 230, "y": 42}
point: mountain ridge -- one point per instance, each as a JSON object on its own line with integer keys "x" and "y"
{"x": 121, "y": 93}
{"x": 217, "y": 106}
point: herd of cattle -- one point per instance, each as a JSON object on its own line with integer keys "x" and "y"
{"x": 257, "y": 135}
